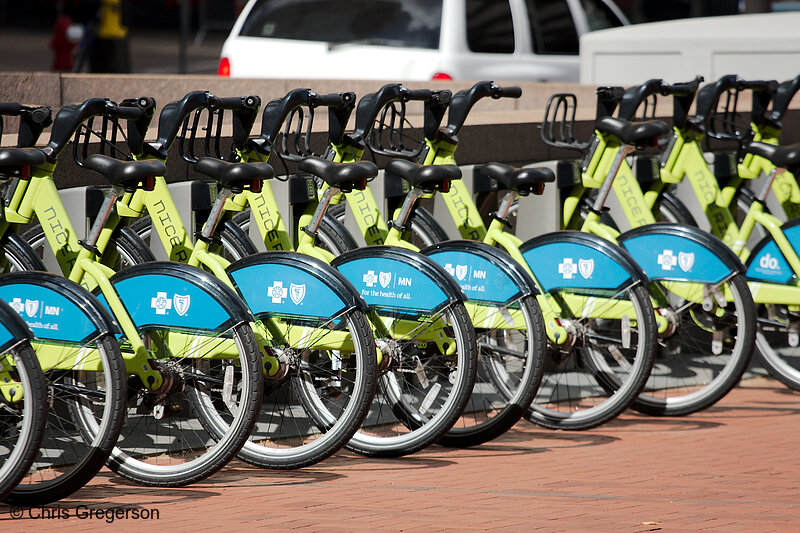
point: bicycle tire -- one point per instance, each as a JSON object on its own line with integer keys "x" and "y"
{"x": 688, "y": 375}
{"x": 23, "y": 422}
{"x": 319, "y": 406}
{"x": 52, "y": 477}
{"x": 502, "y": 404}
{"x": 510, "y": 372}
{"x": 399, "y": 422}
{"x": 669, "y": 208}
{"x": 18, "y": 255}
{"x": 71, "y": 453}
{"x": 163, "y": 442}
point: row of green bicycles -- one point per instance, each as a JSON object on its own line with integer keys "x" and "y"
{"x": 281, "y": 337}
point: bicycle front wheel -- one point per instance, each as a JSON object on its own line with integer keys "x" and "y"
{"x": 510, "y": 365}
{"x": 424, "y": 386}
{"x": 319, "y": 404}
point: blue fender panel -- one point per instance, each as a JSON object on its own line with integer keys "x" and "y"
{"x": 395, "y": 278}
{"x": 484, "y": 273}
{"x": 577, "y": 261}
{"x": 54, "y": 308}
{"x": 293, "y": 284}
{"x": 680, "y": 253}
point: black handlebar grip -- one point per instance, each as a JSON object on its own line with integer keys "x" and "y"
{"x": 334, "y": 99}
{"x": 234, "y": 103}
{"x": 125, "y": 112}
{"x": 507, "y": 92}
{"x": 42, "y": 115}
{"x": 418, "y": 94}
{"x": 10, "y": 108}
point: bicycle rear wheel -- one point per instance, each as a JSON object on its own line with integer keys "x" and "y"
{"x": 85, "y": 418}
{"x": 708, "y": 353}
{"x": 595, "y": 380}
{"x": 164, "y": 442}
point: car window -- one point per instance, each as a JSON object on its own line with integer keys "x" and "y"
{"x": 552, "y": 27}
{"x": 414, "y": 23}
{"x": 599, "y": 15}
{"x": 490, "y": 28}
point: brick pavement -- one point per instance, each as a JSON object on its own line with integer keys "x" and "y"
{"x": 730, "y": 468}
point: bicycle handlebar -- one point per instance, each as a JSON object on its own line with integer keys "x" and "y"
{"x": 463, "y": 101}
{"x": 683, "y": 95}
{"x": 783, "y": 96}
{"x": 708, "y": 101}
{"x": 371, "y": 105}
{"x": 277, "y": 111}
{"x": 33, "y": 120}
{"x": 70, "y": 118}
{"x": 172, "y": 116}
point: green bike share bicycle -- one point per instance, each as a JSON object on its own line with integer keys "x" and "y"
{"x": 188, "y": 352}
{"x": 74, "y": 342}
{"x": 601, "y": 329}
{"x": 426, "y": 343}
{"x": 772, "y": 264}
{"x": 692, "y": 371}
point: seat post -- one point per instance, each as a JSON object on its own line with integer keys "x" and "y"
{"x": 408, "y": 204}
{"x": 602, "y": 196}
{"x": 762, "y": 196}
{"x": 505, "y": 205}
{"x": 322, "y": 208}
{"x": 108, "y": 205}
{"x": 216, "y": 213}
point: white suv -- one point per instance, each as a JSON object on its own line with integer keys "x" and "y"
{"x": 413, "y": 40}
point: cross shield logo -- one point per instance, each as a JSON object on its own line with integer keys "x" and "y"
{"x": 31, "y": 306}
{"x": 685, "y": 261}
{"x": 297, "y": 293}
{"x": 181, "y": 303}
{"x": 461, "y": 272}
{"x": 385, "y": 278}
{"x": 586, "y": 267}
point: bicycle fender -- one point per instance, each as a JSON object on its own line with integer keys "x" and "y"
{"x": 483, "y": 272}
{"x": 12, "y": 328}
{"x": 55, "y": 308}
{"x": 293, "y": 284}
{"x": 396, "y": 278}
{"x": 577, "y": 260}
{"x": 767, "y": 262}
{"x": 163, "y": 293}
{"x": 680, "y": 253}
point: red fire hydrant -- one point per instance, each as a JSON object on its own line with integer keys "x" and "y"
{"x": 61, "y": 44}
